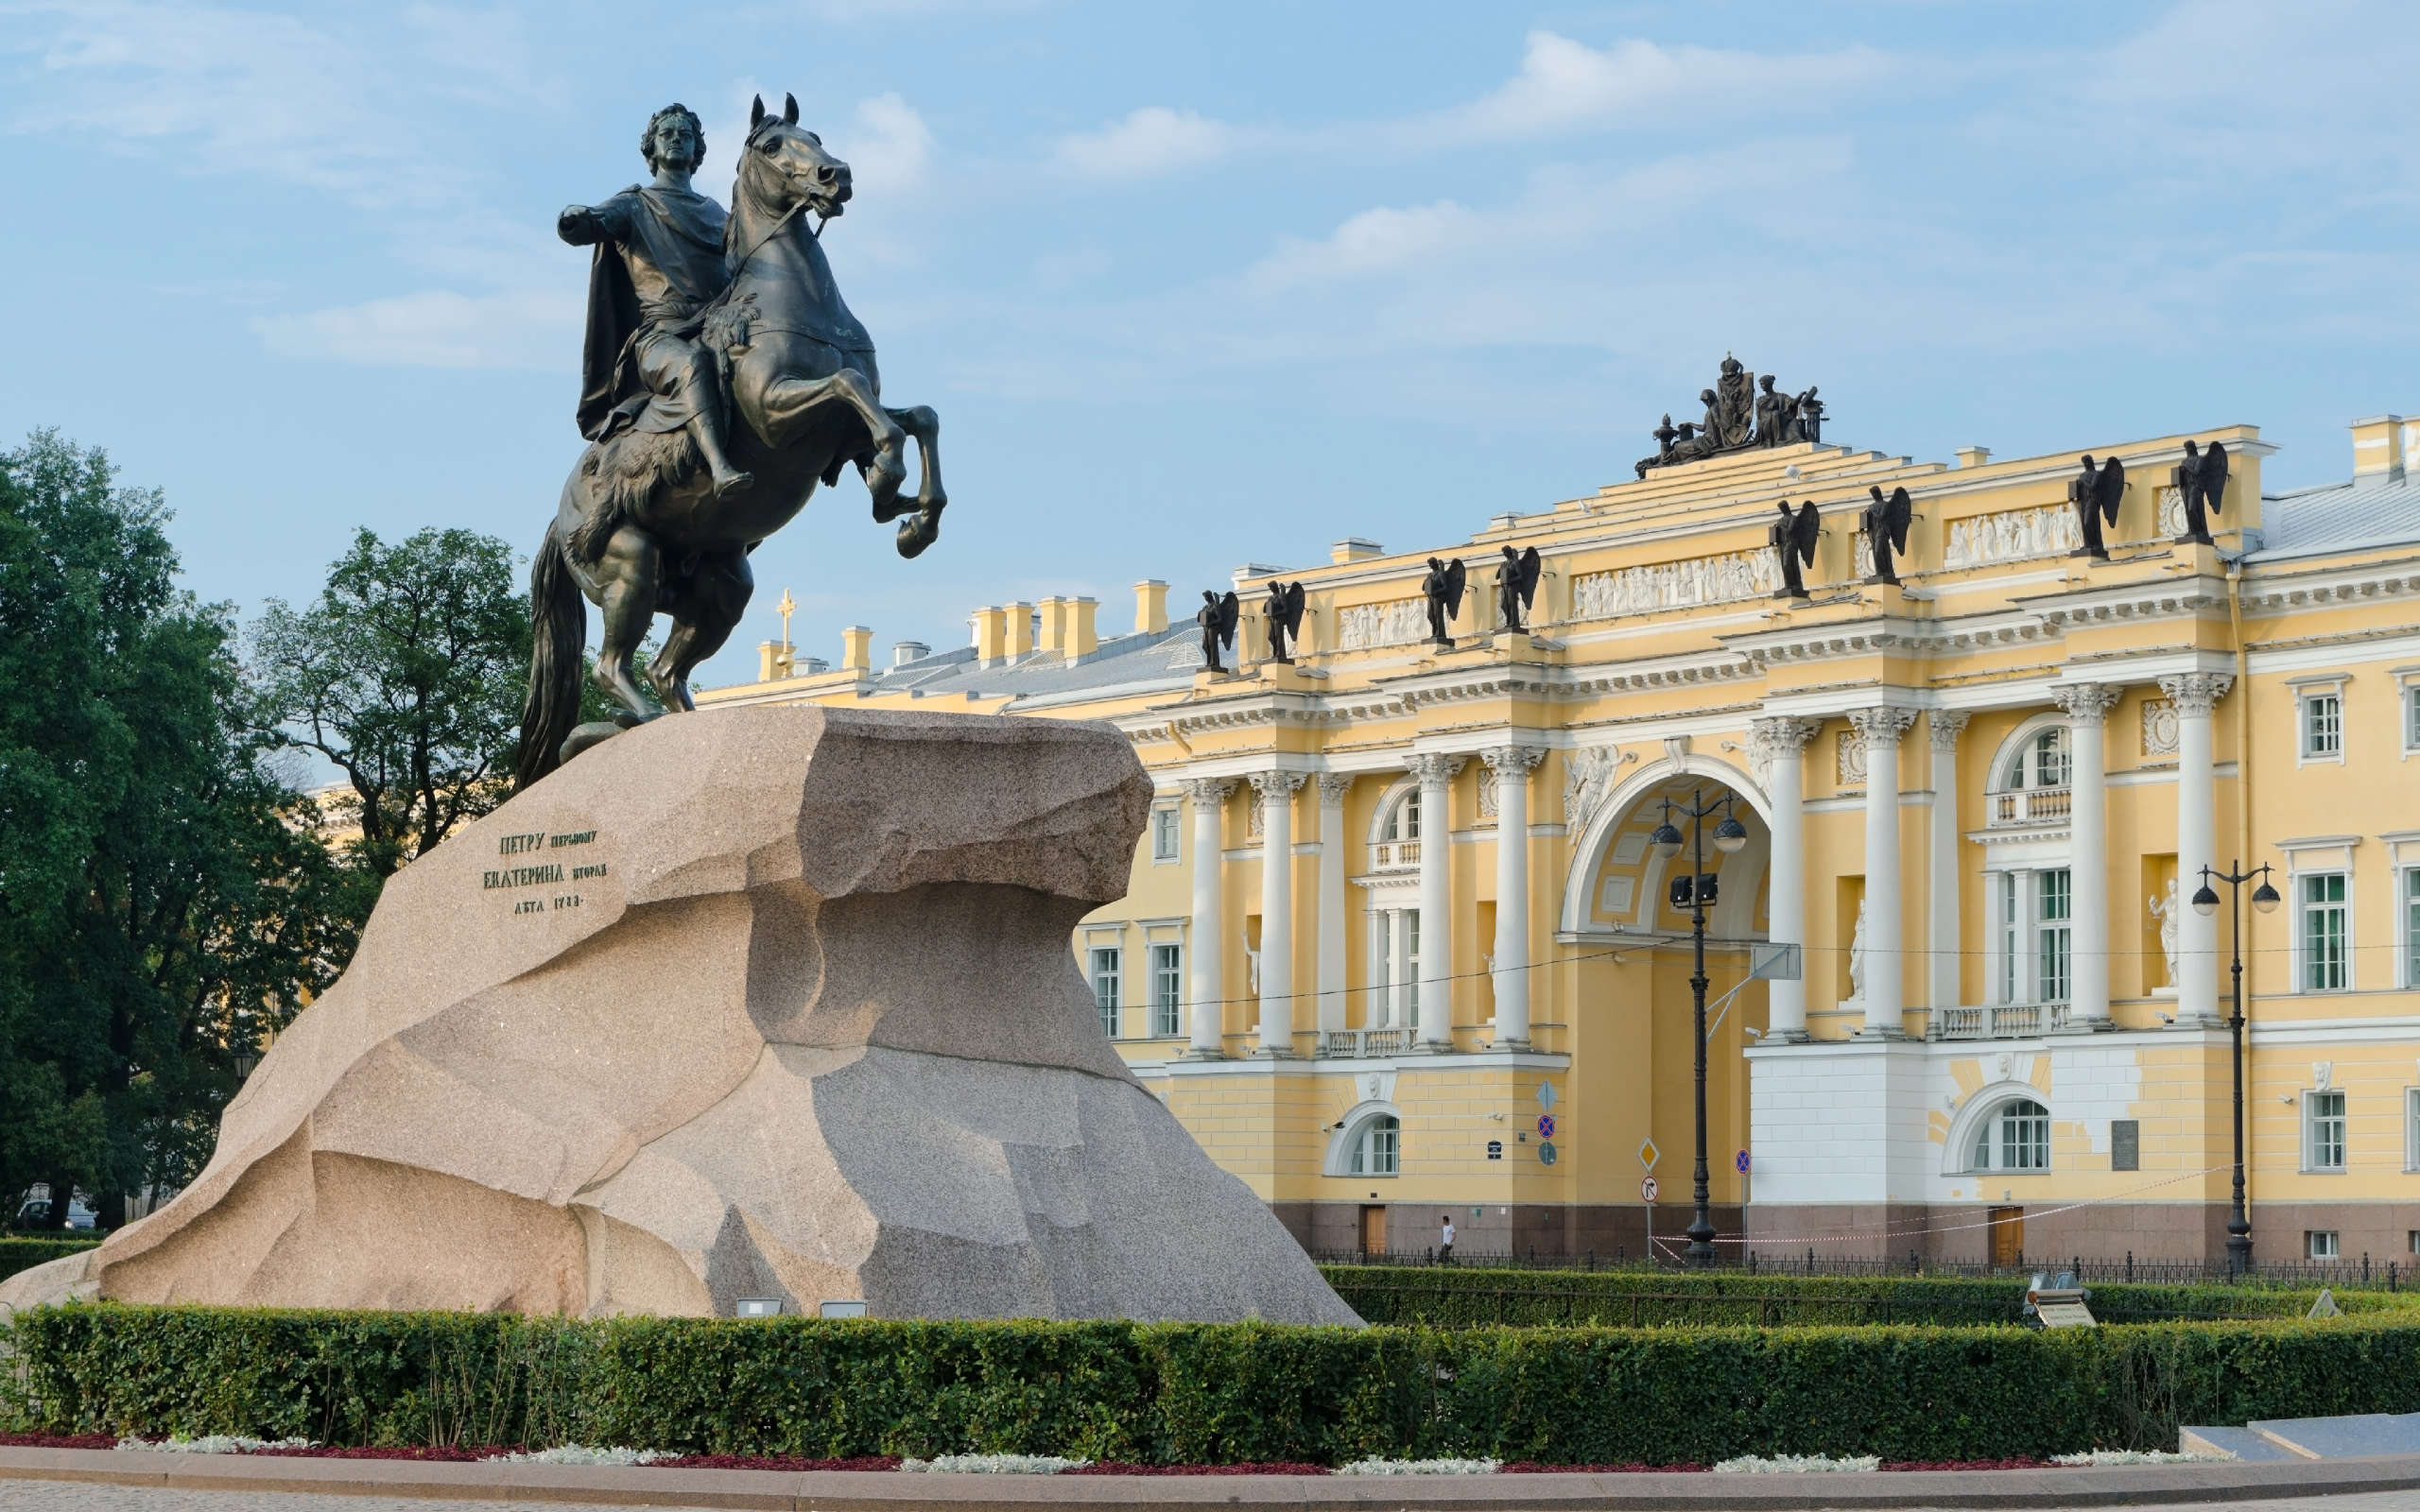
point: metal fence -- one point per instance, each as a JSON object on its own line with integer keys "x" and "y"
{"x": 1458, "y": 1306}
{"x": 2352, "y": 1272}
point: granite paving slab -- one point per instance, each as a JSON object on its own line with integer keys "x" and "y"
{"x": 2354, "y": 1434}
{"x": 2242, "y": 1442}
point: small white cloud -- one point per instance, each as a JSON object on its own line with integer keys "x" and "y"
{"x": 887, "y": 144}
{"x": 1149, "y": 142}
{"x": 1565, "y": 85}
{"x": 1374, "y": 241}
{"x": 436, "y": 328}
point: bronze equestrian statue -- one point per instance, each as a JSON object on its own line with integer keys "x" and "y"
{"x": 724, "y": 379}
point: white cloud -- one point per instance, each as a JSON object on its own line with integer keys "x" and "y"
{"x": 1565, "y": 85}
{"x": 1375, "y": 241}
{"x": 1147, "y": 143}
{"x": 887, "y": 145}
{"x": 436, "y": 329}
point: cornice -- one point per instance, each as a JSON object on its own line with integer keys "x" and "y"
{"x": 2341, "y": 585}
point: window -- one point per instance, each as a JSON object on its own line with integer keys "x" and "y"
{"x": 2319, "y": 1243}
{"x": 2412, "y": 1129}
{"x": 1377, "y": 1148}
{"x": 2412, "y": 926}
{"x": 1167, "y": 988}
{"x": 2043, "y": 763}
{"x": 1398, "y": 843}
{"x": 2322, "y": 725}
{"x": 2016, "y": 1137}
{"x": 2326, "y": 925}
{"x": 1404, "y": 824}
{"x": 2411, "y": 717}
{"x": 2411, "y": 1239}
{"x": 1164, "y": 844}
{"x": 1410, "y": 918}
{"x": 2007, "y": 890}
{"x": 2322, "y": 1132}
{"x": 1105, "y": 987}
{"x": 2051, "y": 936}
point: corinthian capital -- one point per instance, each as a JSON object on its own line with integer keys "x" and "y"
{"x": 1782, "y": 737}
{"x": 1880, "y": 727}
{"x": 2195, "y": 692}
{"x": 1334, "y": 785}
{"x": 1434, "y": 768}
{"x": 1279, "y": 785}
{"x": 1209, "y": 792}
{"x": 2086, "y": 703}
{"x": 1943, "y": 726}
{"x": 1513, "y": 761}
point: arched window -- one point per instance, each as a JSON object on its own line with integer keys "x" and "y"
{"x": 2014, "y": 1137}
{"x": 1403, "y": 821}
{"x": 1377, "y": 1148}
{"x": 1398, "y": 842}
{"x": 2041, "y": 762}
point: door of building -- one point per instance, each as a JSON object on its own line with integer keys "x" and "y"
{"x": 2008, "y": 1236}
{"x": 1374, "y": 1229}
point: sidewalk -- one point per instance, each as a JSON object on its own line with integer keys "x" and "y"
{"x": 782, "y": 1491}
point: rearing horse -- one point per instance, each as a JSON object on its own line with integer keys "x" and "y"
{"x": 639, "y": 529}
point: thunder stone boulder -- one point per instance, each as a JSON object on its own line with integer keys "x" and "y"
{"x": 758, "y": 1002}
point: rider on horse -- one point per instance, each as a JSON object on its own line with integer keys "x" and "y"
{"x": 659, "y": 262}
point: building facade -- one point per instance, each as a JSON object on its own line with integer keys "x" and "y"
{"x": 1398, "y": 944}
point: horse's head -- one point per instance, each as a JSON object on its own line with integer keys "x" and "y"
{"x": 784, "y": 168}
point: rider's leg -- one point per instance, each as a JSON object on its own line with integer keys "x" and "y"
{"x": 629, "y": 575}
{"x": 705, "y": 421}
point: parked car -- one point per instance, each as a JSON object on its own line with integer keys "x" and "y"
{"x": 35, "y": 1213}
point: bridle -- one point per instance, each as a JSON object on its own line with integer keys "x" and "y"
{"x": 782, "y": 222}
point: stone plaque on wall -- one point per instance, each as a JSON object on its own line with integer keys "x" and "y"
{"x": 2159, "y": 728}
{"x": 2125, "y": 1144}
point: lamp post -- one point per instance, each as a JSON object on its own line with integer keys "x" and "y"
{"x": 1728, "y": 837}
{"x": 2205, "y": 902}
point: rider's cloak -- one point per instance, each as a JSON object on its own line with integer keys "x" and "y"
{"x": 678, "y": 240}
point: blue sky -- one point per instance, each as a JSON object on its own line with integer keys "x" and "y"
{"x": 1197, "y": 285}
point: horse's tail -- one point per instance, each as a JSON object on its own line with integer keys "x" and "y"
{"x": 558, "y": 637}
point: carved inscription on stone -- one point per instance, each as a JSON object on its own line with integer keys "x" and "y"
{"x": 542, "y": 869}
{"x": 1675, "y": 584}
{"x": 2011, "y": 534}
{"x": 1397, "y": 622}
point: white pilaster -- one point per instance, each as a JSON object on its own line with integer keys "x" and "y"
{"x": 1943, "y": 913}
{"x": 1436, "y": 923}
{"x": 2195, "y": 694}
{"x": 1398, "y": 968}
{"x": 1880, "y": 729}
{"x": 1276, "y": 790}
{"x": 1333, "y": 865}
{"x": 2087, "y": 705}
{"x": 1511, "y": 765}
{"x": 1204, "y": 983}
{"x": 1784, "y": 742}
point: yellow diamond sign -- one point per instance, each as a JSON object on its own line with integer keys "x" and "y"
{"x": 1647, "y": 1154}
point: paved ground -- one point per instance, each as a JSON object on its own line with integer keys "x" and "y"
{"x": 56, "y": 1496}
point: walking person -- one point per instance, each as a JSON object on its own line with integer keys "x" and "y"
{"x": 1446, "y": 1239}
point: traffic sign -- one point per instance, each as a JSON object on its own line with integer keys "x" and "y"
{"x": 1546, "y": 1151}
{"x": 1545, "y": 1095}
{"x": 1545, "y": 1125}
{"x": 1647, "y": 1154}
{"x": 1647, "y": 1188}
{"x": 1740, "y": 1163}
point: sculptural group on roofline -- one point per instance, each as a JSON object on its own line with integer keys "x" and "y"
{"x": 1742, "y": 412}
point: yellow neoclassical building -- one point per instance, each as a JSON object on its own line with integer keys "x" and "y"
{"x": 1399, "y": 942}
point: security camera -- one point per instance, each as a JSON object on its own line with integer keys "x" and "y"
{"x": 1753, "y": 1034}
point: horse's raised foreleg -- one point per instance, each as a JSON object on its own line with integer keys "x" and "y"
{"x": 712, "y": 602}
{"x": 923, "y": 527}
{"x": 630, "y": 576}
{"x": 789, "y": 407}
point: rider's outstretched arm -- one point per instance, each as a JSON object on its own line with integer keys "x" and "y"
{"x": 583, "y": 225}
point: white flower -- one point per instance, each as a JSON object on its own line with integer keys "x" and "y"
{"x": 1795, "y": 1464}
{"x": 583, "y": 1454}
{"x": 212, "y": 1443}
{"x": 2135, "y": 1456}
{"x": 993, "y": 1465}
{"x": 1422, "y": 1467}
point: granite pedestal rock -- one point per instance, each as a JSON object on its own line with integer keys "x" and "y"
{"x": 760, "y": 1003}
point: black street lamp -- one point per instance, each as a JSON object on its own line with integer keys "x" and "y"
{"x": 1728, "y": 836}
{"x": 2205, "y": 902}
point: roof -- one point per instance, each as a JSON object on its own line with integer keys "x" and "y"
{"x": 1165, "y": 661}
{"x": 2374, "y": 509}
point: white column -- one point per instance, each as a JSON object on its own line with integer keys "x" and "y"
{"x": 1398, "y": 968}
{"x": 2087, "y": 705}
{"x": 1880, "y": 729}
{"x": 1436, "y": 926}
{"x": 2195, "y": 694}
{"x": 1511, "y": 764}
{"x": 1276, "y": 790}
{"x": 1943, "y": 913}
{"x": 1333, "y": 865}
{"x": 1204, "y": 983}
{"x": 1785, "y": 741}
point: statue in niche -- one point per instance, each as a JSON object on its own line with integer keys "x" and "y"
{"x": 2164, "y": 910}
{"x": 1252, "y": 960}
{"x": 1516, "y": 586}
{"x": 1216, "y": 616}
{"x": 2096, "y": 492}
{"x": 1283, "y": 611}
{"x": 1792, "y": 538}
{"x": 2201, "y": 479}
{"x": 1443, "y": 589}
{"x": 1886, "y": 528}
{"x": 1856, "y": 956}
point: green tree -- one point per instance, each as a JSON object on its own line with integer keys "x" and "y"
{"x": 406, "y": 675}
{"x": 165, "y": 901}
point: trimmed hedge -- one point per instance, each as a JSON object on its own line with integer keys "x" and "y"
{"x": 1453, "y": 1296}
{"x": 25, "y": 1254}
{"x": 1188, "y": 1393}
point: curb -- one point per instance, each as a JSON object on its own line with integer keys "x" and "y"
{"x": 845, "y": 1491}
